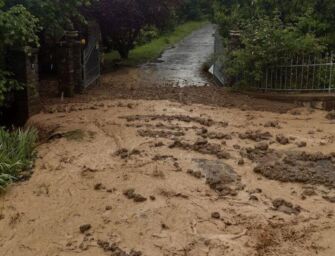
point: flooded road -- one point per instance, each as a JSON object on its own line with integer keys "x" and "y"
{"x": 181, "y": 65}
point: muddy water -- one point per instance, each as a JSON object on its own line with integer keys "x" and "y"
{"x": 181, "y": 65}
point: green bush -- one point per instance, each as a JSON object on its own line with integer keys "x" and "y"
{"x": 271, "y": 33}
{"x": 17, "y": 152}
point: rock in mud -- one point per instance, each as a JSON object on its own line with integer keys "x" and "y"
{"x": 272, "y": 124}
{"x": 159, "y": 134}
{"x": 262, "y": 146}
{"x": 255, "y": 135}
{"x": 241, "y": 162}
{"x": 281, "y": 139}
{"x": 220, "y": 177}
{"x": 203, "y": 147}
{"x": 130, "y": 194}
{"x": 302, "y": 167}
{"x": 139, "y": 198}
{"x": 116, "y": 250}
{"x": 84, "y": 228}
{"x": 196, "y": 174}
{"x": 125, "y": 153}
{"x": 301, "y": 144}
{"x": 330, "y": 199}
{"x": 216, "y": 215}
{"x": 331, "y": 115}
{"x": 187, "y": 119}
{"x": 286, "y": 207}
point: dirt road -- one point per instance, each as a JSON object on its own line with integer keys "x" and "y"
{"x": 146, "y": 169}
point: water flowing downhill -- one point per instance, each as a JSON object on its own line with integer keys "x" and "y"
{"x": 181, "y": 65}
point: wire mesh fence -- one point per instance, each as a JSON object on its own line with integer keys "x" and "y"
{"x": 301, "y": 73}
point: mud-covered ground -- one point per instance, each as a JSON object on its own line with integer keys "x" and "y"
{"x": 134, "y": 168}
{"x": 169, "y": 178}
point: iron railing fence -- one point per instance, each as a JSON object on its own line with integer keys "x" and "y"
{"x": 301, "y": 73}
{"x": 218, "y": 66}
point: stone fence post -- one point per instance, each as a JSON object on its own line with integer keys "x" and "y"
{"x": 25, "y": 102}
{"x": 69, "y": 64}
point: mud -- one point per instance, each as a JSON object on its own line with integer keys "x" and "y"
{"x": 286, "y": 207}
{"x": 187, "y": 119}
{"x": 316, "y": 168}
{"x": 203, "y": 147}
{"x": 159, "y": 134}
{"x": 255, "y": 135}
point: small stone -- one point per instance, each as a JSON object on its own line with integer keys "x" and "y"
{"x": 129, "y": 193}
{"x": 139, "y": 198}
{"x": 84, "y": 228}
{"x": 241, "y": 161}
{"x": 216, "y": 215}
{"x": 301, "y": 144}
{"x": 98, "y": 186}
{"x": 281, "y": 139}
{"x": 253, "y": 198}
{"x": 108, "y": 208}
{"x": 152, "y": 198}
{"x": 262, "y": 146}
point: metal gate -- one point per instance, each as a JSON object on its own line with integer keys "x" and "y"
{"x": 91, "y": 56}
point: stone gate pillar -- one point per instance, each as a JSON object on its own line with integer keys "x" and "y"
{"x": 25, "y": 102}
{"x": 69, "y": 64}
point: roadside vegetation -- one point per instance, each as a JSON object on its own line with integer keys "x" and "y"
{"x": 265, "y": 33}
{"x": 153, "y": 49}
{"x": 17, "y": 152}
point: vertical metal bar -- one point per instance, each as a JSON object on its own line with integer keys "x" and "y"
{"x": 302, "y": 72}
{"x": 291, "y": 73}
{"x": 314, "y": 72}
{"x": 319, "y": 75}
{"x": 308, "y": 67}
{"x": 331, "y": 72}
{"x": 296, "y": 72}
{"x": 326, "y": 73}
{"x": 266, "y": 79}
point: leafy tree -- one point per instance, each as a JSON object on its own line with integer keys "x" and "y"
{"x": 18, "y": 28}
{"x": 121, "y": 21}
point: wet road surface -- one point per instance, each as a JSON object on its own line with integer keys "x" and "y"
{"x": 181, "y": 65}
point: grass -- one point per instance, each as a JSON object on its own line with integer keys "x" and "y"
{"x": 154, "y": 49}
{"x": 17, "y": 152}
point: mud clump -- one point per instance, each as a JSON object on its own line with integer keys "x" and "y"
{"x": 283, "y": 140}
{"x": 263, "y": 146}
{"x": 255, "y": 136}
{"x": 202, "y": 146}
{"x": 272, "y": 124}
{"x": 84, "y": 228}
{"x": 301, "y": 144}
{"x": 301, "y": 167}
{"x": 220, "y": 177}
{"x": 216, "y": 215}
{"x": 196, "y": 174}
{"x": 286, "y": 207}
{"x": 137, "y": 198}
{"x": 159, "y": 134}
{"x": 331, "y": 115}
{"x": 187, "y": 119}
{"x": 116, "y": 250}
{"x": 125, "y": 153}
{"x": 330, "y": 199}
{"x": 214, "y": 135}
